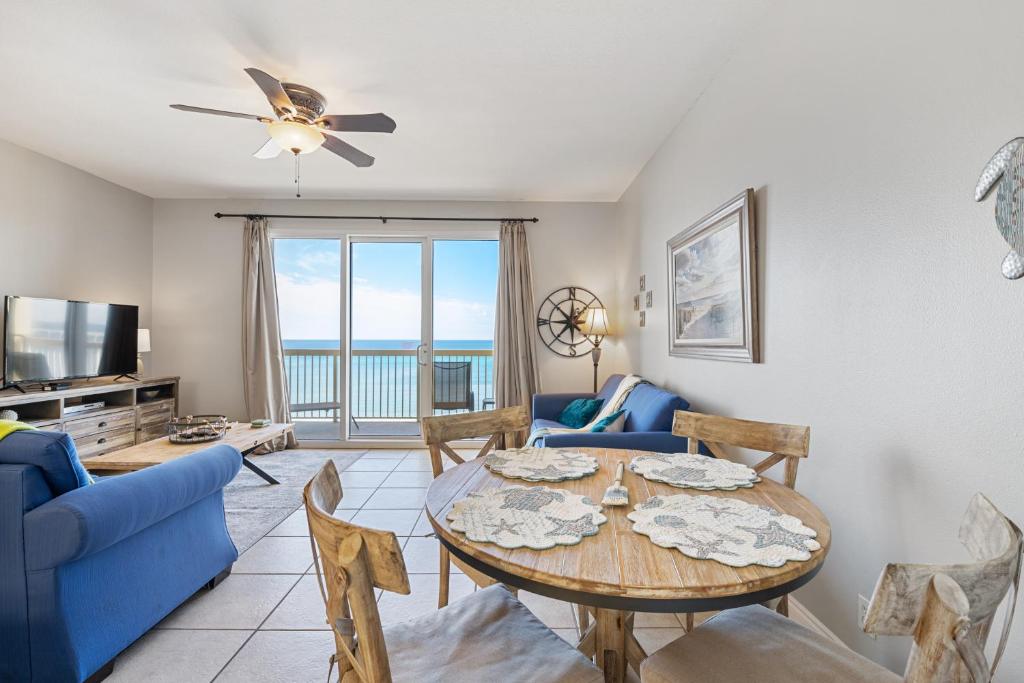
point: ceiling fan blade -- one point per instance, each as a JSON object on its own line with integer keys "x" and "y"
{"x": 273, "y": 89}
{"x": 269, "y": 150}
{"x": 220, "y": 112}
{"x": 347, "y": 151}
{"x": 358, "y": 123}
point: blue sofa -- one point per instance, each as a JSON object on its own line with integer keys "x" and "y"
{"x": 648, "y": 421}
{"x": 85, "y": 570}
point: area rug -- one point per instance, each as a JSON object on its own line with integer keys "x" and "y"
{"x": 253, "y": 507}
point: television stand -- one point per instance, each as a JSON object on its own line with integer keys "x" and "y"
{"x": 126, "y": 376}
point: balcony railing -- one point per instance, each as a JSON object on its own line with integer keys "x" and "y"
{"x": 384, "y": 383}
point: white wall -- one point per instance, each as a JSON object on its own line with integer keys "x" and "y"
{"x": 197, "y": 280}
{"x": 70, "y": 235}
{"x": 887, "y": 326}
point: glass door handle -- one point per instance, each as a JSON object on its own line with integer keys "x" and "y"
{"x": 423, "y": 354}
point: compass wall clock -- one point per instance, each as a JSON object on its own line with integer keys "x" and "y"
{"x": 559, "y": 318}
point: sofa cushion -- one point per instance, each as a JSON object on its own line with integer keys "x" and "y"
{"x": 52, "y": 452}
{"x": 651, "y": 409}
{"x": 546, "y": 424}
{"x": 609, "y": 387}
{"x": 580, "y": 412}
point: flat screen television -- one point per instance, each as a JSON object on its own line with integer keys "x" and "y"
{"x": 46, "y": 340}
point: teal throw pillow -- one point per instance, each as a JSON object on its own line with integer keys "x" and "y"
{"x": 612, "y": 423}
{"x": 580, "y": 412}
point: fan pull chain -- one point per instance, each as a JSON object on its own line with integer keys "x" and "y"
{"x": 298, "y": 177}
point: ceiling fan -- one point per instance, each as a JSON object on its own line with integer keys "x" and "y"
{"x": 300, "y": 125}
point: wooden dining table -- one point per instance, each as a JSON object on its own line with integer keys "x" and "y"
{"x": 618, "y": 572}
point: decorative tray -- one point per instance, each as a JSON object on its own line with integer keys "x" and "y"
{"x": 727, "y": 530}
{"x": 541, "y": 464}
{"x": 687, "y": 470}
{"x": 526, "y": 516}
{"x": 197, "y": 428}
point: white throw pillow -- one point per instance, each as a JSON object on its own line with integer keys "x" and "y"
{"x": 619, "y": 424}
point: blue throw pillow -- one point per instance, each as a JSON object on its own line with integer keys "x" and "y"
{"x": 580, "y": 412}
{"x": 608, "y": 424}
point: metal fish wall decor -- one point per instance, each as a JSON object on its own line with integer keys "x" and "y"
{"x": 1006, "y": 170}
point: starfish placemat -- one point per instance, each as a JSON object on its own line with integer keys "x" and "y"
{"x": 534, "y": 517}
{"x": 541, "y": 464}
{"x": 688, "y": 470}
{"x": 730, "y": 531}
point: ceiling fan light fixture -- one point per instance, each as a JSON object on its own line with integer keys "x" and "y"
{"x": 292, "y": 136}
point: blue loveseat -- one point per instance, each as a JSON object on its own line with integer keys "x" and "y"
{"x": 648, "y": 420}
{"x": 86, "y": 569}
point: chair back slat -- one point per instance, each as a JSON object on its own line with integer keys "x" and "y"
{"x": 444, "y": 428}
{"x": 439, "y": 430}
{"x": 934, "y": 657}
{"x": 786, "y": 439}
{"x": 782, "y": 442}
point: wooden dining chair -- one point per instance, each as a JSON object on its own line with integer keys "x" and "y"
{"x": 948, "y": 609}
{"x": 438, "y": 433}
{"x": 784, "y": 443}
{"x": 486, "y": 636}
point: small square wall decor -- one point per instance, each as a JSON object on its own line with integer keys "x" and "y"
{"x": 643, "y": 282}
{"x": 712, "y": 267}
{"x": 643, "y": 318}
{"x": 636, "y": 302}
{"x": 650, "y": 298}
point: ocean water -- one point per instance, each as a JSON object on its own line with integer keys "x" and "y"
{"x": 385, "y": 384}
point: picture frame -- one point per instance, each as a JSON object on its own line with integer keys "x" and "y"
{"x": 643, "y": 282}
{"x": 712, "y": 280}
{"x": 636, "y": 302}
{"x": 643, "y": 318}
{"x": 650, "y": 298}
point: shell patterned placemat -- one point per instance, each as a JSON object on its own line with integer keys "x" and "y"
{"x": 730, "y": 531}
{"x": 541, "y": 464}
{"x": 688, "y": 470}
{"x": 534, "y": 517}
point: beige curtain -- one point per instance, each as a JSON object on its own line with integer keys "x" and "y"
{"x": 263, "y": 376}
{"x": 516, "y": 379}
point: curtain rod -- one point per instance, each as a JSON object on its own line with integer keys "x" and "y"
{"x": 382, "y": 219}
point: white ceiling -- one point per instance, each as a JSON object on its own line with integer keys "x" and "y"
{"x": 515, "y": 100}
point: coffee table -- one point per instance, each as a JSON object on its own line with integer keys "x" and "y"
{"x": 243, "y": 437}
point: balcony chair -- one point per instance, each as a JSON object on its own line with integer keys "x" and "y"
{"x": 453, "y": 385}
{"x": 486, "y": 636}
{"x": 948, "y": 609}
{"x": 438, "y": 431}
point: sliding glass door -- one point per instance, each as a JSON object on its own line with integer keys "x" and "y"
{"x": 309, "y": 299}
{"x": 389, "y": 331}
{"x": 381, "y": 331}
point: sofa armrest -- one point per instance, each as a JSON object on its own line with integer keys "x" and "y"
{"x": 658, "y": 442}
{"x": 550, "y": 406}
{"x": 89, "y": 519}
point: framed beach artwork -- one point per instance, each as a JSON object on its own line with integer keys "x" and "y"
{"x": 712, "y": 269}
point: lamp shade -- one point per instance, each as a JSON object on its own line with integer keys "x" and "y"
{"x": 295, "y": 137}
{"x": 143, "y": 341}
{"x": 595, "y": 322}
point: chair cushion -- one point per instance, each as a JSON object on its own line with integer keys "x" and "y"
{"x": 651, "y": 409}
{"x": 756, "y": 644}
{"x": 487, "y": 636}
{"x": 580, "y": 412}
{"x": 52, "y": 452}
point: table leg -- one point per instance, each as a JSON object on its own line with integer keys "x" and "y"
{"x": 611, "y": 643}
{"x": 248, "y": 463}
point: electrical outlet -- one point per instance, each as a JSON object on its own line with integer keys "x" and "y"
{"x": 862, "y": 614}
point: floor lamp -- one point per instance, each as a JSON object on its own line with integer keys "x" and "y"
{"x": 595, "y": 326}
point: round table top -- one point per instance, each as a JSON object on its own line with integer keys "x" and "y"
{"x": 618, "y": 568}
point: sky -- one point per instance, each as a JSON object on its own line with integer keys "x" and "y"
{"x": 386, "y": 288}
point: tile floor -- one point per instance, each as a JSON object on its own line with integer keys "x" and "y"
{"x": 265, "y": 622}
